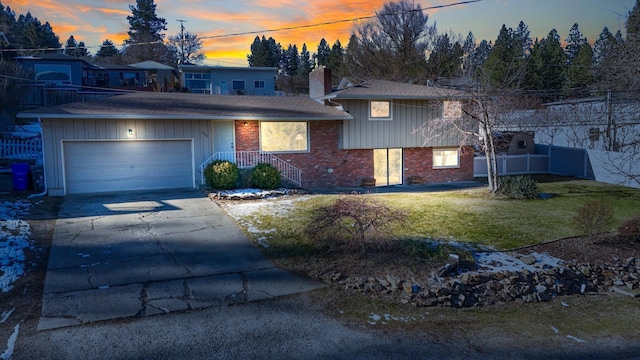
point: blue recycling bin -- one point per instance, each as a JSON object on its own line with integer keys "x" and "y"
{"x": 20, "y": 176}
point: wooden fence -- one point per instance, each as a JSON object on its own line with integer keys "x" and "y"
{"x": 20, "y": 149}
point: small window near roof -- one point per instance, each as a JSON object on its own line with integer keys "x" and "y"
{"x": 451, "y": 109}
{"x": 446, "y": 158}
{"x": 380, "y": 110}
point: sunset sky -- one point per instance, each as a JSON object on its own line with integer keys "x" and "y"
{"x": 93, "y": 21}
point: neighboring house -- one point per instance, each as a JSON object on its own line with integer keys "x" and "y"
{"x": 124, "y": 77}
{"x": 163, "y": 140}
{"x": 586, "y": 123}
{"x": 227, "y": 80}
{"x": 55, "y": 69}
{"x": 158, "y": 76}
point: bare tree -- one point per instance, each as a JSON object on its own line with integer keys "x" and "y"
{"x": 392, "y": 47}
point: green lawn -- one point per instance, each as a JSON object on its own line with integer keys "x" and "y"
{"x": 474, "y": 215}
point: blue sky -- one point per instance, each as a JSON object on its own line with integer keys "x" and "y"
{"x": 93, "y": 21}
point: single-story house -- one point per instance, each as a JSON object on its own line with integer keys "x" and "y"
{"x": 163, "y": 140}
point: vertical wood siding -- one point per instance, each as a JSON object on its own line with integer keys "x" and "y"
{"x": 58, "y": 130}
{"x": 408, "y": 115}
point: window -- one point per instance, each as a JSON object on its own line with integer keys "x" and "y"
{"x": 446, "y": 158}
{"x": 53, "y": 74}
{"x": 451, "y": 109}
{"x": 380, "y": 110}
{"x": 594, "y": 134}
{"x": 237, "y": 84}
{"x": 198, "y": 83}
{"x": 284, "y": 136}
{"x": 522, "y": 144}
{"x": 258, "y": 84}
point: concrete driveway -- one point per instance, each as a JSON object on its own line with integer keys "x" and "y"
{"x": 132, "y": 254}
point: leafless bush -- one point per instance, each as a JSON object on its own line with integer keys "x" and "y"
{"x": 630, "y": 229}
{"x": 593, "y": 218}
{"x": 354, "y": 220}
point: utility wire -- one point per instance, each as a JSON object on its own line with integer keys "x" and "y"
{"x": 287, "y": 28}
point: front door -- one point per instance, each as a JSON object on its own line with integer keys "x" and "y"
{"x": 223, "y": 140}
{"x": 387, "y": 166}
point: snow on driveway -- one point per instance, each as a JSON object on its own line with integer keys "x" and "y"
{"x": 14, "y": 238}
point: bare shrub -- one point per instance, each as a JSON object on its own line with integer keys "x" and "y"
{"x": 593, "y": 218}
{"x": 630, "y": 229}
{"x": 355, "y": 221}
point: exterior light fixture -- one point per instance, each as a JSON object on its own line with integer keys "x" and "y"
{"x": 245, "y": 124}
{"x": 130, "y": 132}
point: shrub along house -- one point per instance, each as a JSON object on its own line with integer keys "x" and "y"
{"x": 163, "y": 140}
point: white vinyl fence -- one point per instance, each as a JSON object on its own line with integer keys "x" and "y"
{"x": 20, "y": 149}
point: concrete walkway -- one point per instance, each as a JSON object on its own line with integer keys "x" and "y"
{"x": 140, "y": 254}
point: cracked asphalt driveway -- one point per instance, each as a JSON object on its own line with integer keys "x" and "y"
{"x": 120, "y": 255}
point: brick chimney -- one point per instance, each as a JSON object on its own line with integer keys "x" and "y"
{"x": 319, "y": 82}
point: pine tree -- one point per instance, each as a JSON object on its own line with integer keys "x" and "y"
{"x": 633, "y": 22}
{"x": 553, "y": 64}
{"x": 504, "y": 65}
{"x": 107, "y": 49}
{"x": 322, "y": 56}
{"x": 305, "y": 63}
{"x": 71, "y": 47}
{"x": 533, "y": 78}
{"x": 291, "y": 60}
{"x": 145, "y": 40}
{"x": 34, "y": 37}
{"x": 445, "y": 59}
{"x": 574, "y": 42}
{"x": 580, "y": 72}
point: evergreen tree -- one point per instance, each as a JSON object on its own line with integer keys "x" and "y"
{"x": 553, "y": 64}
{"x": 533, "y": 78}
{"x": 107, "y": 49}
{"x": 468, "y": 49}
{"x": 258, "y": 54}
{"x": 633, "y": 22}
{"x": 479, "y": 57}
{"x": 445, "y": 59}
{"x": 521, "y": 36}
{"x": 504, "y": 65}
{"x": 574, "y": 42}
{"x": 34, "y": 37}
{"x": 336, "y": 61}
{"x": 322, "y": 56}
{"x": 291, "y": 60}
{"x": 82, "y": 49}
{"x": 265, "y": 53}
{"x": 580, "y": 72}
{"x": 305, "y": 63}
{"x": 71, "y": 47}
{"x": 145, "y": 40}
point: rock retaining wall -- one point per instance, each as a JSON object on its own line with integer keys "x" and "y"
{"x": 487, "y": 288}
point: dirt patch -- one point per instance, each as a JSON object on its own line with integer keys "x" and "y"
{"x": 608, "y": 249}
{"x": 24, "y": 300}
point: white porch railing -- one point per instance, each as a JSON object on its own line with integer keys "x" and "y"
{"x": 246, "y": 159}
{"x": 20, "y": 149}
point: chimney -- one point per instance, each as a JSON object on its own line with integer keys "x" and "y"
{"x": 319, "y": 82}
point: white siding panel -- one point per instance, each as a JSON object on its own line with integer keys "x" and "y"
{"x": 102, "y": 166}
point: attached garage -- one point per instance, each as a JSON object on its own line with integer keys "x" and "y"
{"x": 124, "y": 165}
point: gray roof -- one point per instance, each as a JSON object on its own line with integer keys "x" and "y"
{"x": 384, "y": 89}
{"x": 151, "y": 65}
{"x": 154, "y": 105}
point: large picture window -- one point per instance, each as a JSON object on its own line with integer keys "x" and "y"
{"x": 284, "y": 136}
{"x": 380, "y": 110}
{"x": 53, "y": 74}
{"x": 446, "y": 158}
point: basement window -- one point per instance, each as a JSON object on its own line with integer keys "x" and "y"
{"x": 446, "y": 158}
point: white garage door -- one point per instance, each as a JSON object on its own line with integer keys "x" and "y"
{"x": 102, "y": 166}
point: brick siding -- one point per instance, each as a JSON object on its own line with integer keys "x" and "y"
{"x": 326, "y": 166}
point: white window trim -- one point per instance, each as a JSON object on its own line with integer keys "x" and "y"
{"x": 434, "y": 166}
{"x": 372, "y": 118}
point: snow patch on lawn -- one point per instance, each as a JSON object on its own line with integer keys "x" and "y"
{"x": 502, "y": 261}
{"x": 14, "y": 238}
